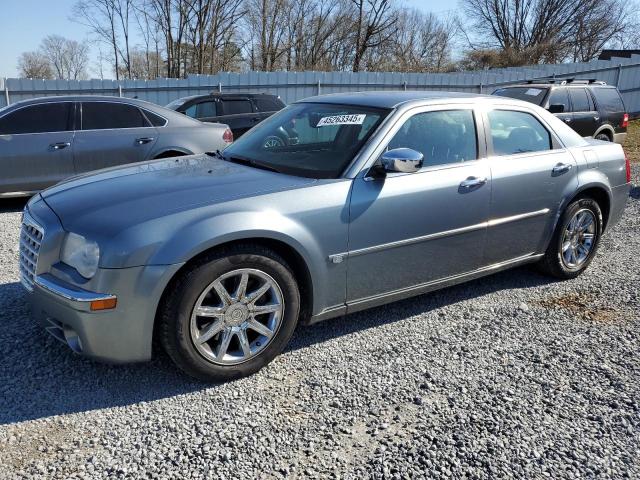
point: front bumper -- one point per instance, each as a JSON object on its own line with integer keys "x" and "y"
{"x": 121, "y": 335}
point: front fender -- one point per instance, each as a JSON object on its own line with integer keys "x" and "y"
{"x": 179, "y": 244}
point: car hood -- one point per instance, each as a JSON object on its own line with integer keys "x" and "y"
{"x": 112, "y": 199}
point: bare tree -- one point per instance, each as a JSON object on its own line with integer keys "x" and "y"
{"x": 109, "y": 21}
{"x": 423, "y": 43}
{"x": 68, "y": 58}
{"x": 34, "y": 65}
{"x": 375, "y": 24}
{"x": 532, "y": 31}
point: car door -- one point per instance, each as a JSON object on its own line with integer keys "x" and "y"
{"x": 239, "y": 113}
{"x": 111, "y": 133}
{"x": 584, "y": 116}
{"x": 414, "y": 228}
{"x": 35, "y": 146}
{"x": 531, "y": 174}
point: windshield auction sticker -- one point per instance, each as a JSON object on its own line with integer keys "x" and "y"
{"x": 342, "y": 120}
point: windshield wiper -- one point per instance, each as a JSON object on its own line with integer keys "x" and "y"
{"x": 216, "y": 154}
{"x": 249, "y": 162}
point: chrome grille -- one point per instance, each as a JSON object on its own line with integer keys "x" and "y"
{"x": 31, "y": 236}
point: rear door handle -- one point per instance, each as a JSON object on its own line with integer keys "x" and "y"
{"x": 143, "y": 140}
{"x": 473, "y": 182}
{"x": 59, "y": 146}
{"x": 561, "y": 168}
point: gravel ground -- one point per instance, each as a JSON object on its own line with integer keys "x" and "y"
{"x": 510, "y": 375}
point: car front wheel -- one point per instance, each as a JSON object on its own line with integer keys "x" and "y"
{"x": 575, "y": 240}
{"x": 230, "y": 313}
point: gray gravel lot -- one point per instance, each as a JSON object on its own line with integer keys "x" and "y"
{"x": 510, "y": 375}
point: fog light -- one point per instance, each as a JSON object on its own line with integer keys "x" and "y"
{"x": 106, "y": 304}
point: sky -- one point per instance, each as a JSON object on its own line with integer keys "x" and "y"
{"x": 24, "y": 23}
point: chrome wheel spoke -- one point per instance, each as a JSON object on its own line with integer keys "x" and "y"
{"x": 224, "y": 344}
{"x": 261, "y": 309}
{"x": 244, "y": 343}
{"x": 260, "y": 328}
{"x": 222, "y": 293}
{"x": 255, "y": 296}
{"x": 211, "y": 331}
{"x": 203, "y": 311}
{"x": 241, "y": 291}
{"x": 566, "y": 245}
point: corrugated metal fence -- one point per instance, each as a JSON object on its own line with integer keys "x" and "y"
{"x": 292, "y": 86}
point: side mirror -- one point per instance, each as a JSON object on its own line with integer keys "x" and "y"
{"x": 403, "y": 160}
{"x": 556, "y": 108}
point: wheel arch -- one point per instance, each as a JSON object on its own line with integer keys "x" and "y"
{"x": 607, "y": 129}
{"x": 601, "y": 195}
{"x": 294, "y": 259}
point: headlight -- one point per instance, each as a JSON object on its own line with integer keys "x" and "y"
{"x": 81, "y": 254}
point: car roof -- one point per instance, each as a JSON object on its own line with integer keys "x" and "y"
{"x": 391, "y": 99}
{"x": 85, "y": 98}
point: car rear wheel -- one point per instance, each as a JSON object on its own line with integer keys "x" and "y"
{"x": 604, "y": 137}
{"x": 575, "y": 240}
{"x": 230, "y": 314}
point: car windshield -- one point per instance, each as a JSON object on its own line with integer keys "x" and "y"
{"x": 528, "y": 94}
{"x": 316, "y": 140}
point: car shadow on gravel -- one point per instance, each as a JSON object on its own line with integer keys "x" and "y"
{"x": 40, "y": 377}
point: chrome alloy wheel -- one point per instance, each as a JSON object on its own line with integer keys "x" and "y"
{"x": 237, "y": 316}
{"x": 578, "y": 238}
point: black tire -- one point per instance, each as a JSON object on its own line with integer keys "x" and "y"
{"x": 604, "y": 137}
{"x": 552, "y": 263}
{"x": 178, "y": 305}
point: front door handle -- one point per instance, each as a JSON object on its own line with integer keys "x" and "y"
{"x": 143, "y": 140}
{"x": 561, "y": 168}
{"x": 59, "y": 146}
{"x": 473, "y": 182}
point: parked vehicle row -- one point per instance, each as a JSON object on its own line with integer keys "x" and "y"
{"x": 591, "y": 107}
{"x": 332, "y": 205}
{"x": 46, "y": 140}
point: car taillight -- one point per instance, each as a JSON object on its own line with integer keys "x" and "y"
{"x": 625, "y": 121}
{"x": 227, "y": 136}
{"x": 627, "y": 164}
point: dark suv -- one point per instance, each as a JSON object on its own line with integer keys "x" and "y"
{"x": 592, "y": 108}
{"x": 239, "y": 111}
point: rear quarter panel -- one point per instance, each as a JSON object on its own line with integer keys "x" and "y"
{"x": 191, "y": 139}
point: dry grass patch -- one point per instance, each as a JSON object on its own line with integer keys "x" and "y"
{"x": 584, "y": 305}
{"x": 632, "y": 142}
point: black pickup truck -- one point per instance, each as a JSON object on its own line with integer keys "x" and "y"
{"x": 239, "y": 111}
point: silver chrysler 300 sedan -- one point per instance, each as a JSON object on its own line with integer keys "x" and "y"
{"x": 45, "y": 140}
{"x": 335, "y": 204}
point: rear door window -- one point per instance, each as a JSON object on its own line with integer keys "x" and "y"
{"x": 514, "y": 132}
{"x": 579, "y": 100}
{"x": 609, "y": 100}
{"x": 106, "y": 115}
{"x": 268, "y": 104}
{"x": 43, "y": 118}
{"x": 206, "y": 109}
{"x": 443, "y": 137}
{"x": 233, "y": 107}
{"x": 559, "y": 96}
